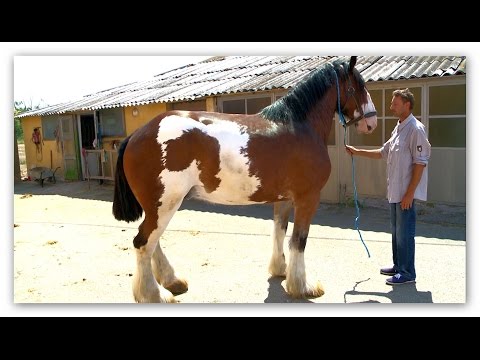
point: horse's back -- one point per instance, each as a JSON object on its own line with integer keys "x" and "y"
{"x": 223, "y": 159}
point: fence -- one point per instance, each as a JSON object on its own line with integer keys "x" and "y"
{"x": 99, "y": 164}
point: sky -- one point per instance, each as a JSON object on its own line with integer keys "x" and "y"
{"x": 34, "y": 72}
{"x": 50, "y": 80}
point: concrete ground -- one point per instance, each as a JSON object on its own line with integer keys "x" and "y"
{"x": 68, "y": 248}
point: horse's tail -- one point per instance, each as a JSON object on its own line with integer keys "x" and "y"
{"x": 125, "y": 205}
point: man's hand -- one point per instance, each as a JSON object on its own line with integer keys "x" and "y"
{"x": 351, "y": 150}
{"x": 406, "y": 201}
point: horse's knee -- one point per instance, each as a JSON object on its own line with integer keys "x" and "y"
{"x": 139, "y": 240}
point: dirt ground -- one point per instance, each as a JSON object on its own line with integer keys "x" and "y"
{"x": 68, "y": 248}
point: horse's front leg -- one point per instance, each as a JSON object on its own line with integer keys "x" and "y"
{"x": 281, "y": 213}
{"x": 297, "y": 284}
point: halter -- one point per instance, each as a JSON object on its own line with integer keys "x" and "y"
{"x": 351, "y": 93}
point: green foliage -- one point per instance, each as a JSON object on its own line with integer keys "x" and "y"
{"x": 71, "y": 174}
{"x": 350, "y": 202}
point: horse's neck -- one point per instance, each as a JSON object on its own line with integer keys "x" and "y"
{"x": 321, "y": 115}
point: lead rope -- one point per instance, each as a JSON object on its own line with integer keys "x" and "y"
{"x": 344, "y": 124}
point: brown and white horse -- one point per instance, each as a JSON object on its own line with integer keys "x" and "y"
{"x": 277, "y": 156}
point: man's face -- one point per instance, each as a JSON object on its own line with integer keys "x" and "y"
{"x": 398, "y": 107}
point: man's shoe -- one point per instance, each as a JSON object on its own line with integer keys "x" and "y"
{"x": 390, "y": 271}
{"x": 398, "y": 279}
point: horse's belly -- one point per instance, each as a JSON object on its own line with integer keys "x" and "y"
{"x": 225, "y": 199}
{"x": 235, "y": 188}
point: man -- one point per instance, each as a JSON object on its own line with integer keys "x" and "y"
{"x": 407, "y": 153}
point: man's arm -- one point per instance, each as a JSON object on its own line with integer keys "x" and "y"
{"x": 407, "y": 199}
{"x": 371, "y": 154}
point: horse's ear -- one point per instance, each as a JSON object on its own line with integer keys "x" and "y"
{"x": 353, "y": 61}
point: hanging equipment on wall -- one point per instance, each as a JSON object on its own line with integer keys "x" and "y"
{"x": 38, "y": 141}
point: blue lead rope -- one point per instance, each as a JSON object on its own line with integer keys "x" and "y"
{"x": 344, "y": 124}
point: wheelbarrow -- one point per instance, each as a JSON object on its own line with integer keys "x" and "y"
{"x": 41, "y": 173}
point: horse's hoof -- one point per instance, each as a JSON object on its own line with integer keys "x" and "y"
{"x": 167, "y": 296}
{"x": 161, "y": 295}
{"x": 177, "y": 287}
{"x": 314, "y": 291}
{"x": 308, "y": 291}
{"x": 157, "y": 299}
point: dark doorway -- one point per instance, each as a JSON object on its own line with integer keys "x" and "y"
{"x": 87, "y": 125}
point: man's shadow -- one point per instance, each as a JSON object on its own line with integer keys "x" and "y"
{"x": 405, "y": 293}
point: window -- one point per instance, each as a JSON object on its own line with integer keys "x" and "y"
{"x": 447, "y": 116}
{"x": 196, "y": 105}
{"x": 255, "y": 105}
{"x": 112, "y": 122}
{"x": 250, "y": 105}
{"x": 49, "y": 124}
{"x": 447, "y": 132}
{"x": 234, "y": 107}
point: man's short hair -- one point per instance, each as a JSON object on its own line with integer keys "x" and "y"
{"x": 406, "y": 95}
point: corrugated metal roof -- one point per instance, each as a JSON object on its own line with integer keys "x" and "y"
{"x": 222, "y": 75}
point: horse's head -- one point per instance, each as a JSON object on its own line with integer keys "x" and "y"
{"x": 356, "y": 100}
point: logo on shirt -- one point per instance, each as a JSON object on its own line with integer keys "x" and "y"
{"x": 419, "y": 148}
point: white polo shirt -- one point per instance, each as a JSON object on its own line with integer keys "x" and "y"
{"x": 407, "y": 146}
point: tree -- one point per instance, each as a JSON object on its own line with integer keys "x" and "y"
{"x": 19, "y": 108}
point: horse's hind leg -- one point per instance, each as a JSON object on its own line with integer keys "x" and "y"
{"x": 297, "y": 284}
{"x": 145, "y": 287}
{"x": 165, "y": 274}
{"x": 281, "y": 213}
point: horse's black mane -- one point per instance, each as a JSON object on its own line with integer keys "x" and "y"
{"x": 294, "y": 107}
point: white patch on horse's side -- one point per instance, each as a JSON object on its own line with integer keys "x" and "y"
{"x": 173, "y": 127}
{"x": 177, "y": 184}
{"x": 236, "y": 186}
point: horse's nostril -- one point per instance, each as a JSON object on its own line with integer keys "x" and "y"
{"x": 369, "y": 127}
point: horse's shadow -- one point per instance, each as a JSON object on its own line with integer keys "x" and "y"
{"x": 406, "y": 293}
{"x": 277, "y": 294}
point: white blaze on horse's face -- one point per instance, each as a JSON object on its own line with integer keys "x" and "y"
{"x": 367, "y": 124}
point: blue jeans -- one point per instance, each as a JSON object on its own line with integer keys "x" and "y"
{"x": 403, "y": 239}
